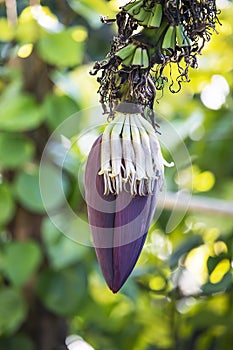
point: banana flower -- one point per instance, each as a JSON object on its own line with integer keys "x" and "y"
{"x": 124, "y": 171}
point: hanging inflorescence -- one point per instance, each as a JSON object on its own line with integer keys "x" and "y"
{"x": 154, "y": 36}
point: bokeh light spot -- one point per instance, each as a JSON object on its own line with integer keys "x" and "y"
{"x": 220, "y": 247}
{"x": 79, "y": 34}
{"x": 196, "y": 263}
{"x": 25, "y": 50}
{"x": 220, "y": 270}
{"x": 204, "y": 181}
{"x": 157, "y": 283}
{"x": 214, "y": 95}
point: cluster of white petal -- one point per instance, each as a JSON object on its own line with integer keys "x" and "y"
{"x": 131, "y": 157}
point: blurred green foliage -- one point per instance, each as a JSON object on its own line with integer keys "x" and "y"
{"x": 180, "y": 296}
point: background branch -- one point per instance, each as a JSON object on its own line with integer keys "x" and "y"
{"x": 11, "y": 11}
{"x": 201, "y": 204}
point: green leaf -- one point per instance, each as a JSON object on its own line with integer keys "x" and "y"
{"x": 6, "y": 30}
{"x": 205, "y": 318}
{"x": 12, "y": 310}
{"x": 60, "y": 49}
{"x": 61, "y": 250}
{"x": 54, "y": 185}
{"x": 213, "y": 261}
{"x": 189, "y": 244}
{"x": 27, "y": 191}
{"x": 34, "y": 22}
{"x": 7, "y": 206}
{"x": 58, "y": 109}
{"x": 19, "y": 342}
{"x": 15, "y": 150}
{"x": 221, "y": 287}
{"x": 21, "y": 260}
{"x": 63, "y": 292}
{"x": 91, "y": 10}
{"x": 28, "y": 29}
{"x": 18, "y": 111}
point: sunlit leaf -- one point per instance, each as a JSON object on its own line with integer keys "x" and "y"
{"x": 189, "y": 244}
{"x": 60, "y": 49}
{"x": 91, "y": 10}
{"x": 6, "y": 30}
{"x": 27, "y": 29}
{"x": 69, "y": 83}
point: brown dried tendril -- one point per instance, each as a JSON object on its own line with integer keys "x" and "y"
{"x": 168, "y": 32}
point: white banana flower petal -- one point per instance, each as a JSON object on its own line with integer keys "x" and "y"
{"x": 131, "y": 158}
